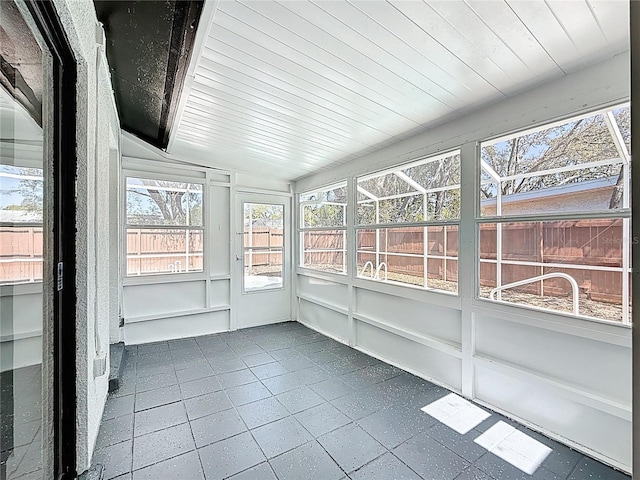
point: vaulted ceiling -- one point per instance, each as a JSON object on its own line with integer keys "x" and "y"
{"x": 289, "y": 88}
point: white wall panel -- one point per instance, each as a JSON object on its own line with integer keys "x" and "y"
{"x": 411, "y": 315}
{"x": 606, "y": 436}
{"x": 163, "y": 298}
{"x": 219, "y": 250}
{"x": 409, "y": 355}
{"x": 176, "y": 327}
{"x": 326, "y": 290}
{"x": 324, "y": 320}
{"x": 21, "y": 317}
{"x": 21, "y": 313}
{"x": 220, "y": 292}
{"x": 20, "y": 352}
{"x": 597, "y": 367}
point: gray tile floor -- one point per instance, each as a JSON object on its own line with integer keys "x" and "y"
{"x": 284, "y": 402}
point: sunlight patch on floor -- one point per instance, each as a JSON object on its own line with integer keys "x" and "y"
{"x": 514, "y": 446}
{"x": 456, "y": 413}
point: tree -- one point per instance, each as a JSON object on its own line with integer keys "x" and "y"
{"x": 327, "y": 211}
{"x": 407, "y": 202}
{"x": 29, "y": 190}
{"x": 568, "y": 145}
{"x": 267, "y": 214}
{"x": 157, "y": 202}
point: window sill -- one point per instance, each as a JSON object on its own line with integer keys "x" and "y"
{"x": 164, "y": 278}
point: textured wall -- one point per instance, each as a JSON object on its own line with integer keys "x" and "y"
{"x": 96, "y": 118}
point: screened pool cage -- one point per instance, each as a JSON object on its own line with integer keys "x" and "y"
{"x": 553, "y": 227}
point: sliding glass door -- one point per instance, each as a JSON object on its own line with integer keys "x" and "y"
{"x": 34, "y": 233}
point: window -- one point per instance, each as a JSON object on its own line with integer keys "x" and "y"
{"x": 263, "y": 246}
{"x": 555, "y": 217}
{"x": 165, "y": 229}
{"x": 21, "y": 236}
{"x": 407, "y": 223}
{"x": 323, "y": 223}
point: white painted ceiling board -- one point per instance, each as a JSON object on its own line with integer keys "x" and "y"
{"x": 461, "y": 79}
{"x": 303, "y": 89}
{"x": 505, "y": 25}
{"x": 271, "y": 126}
{"x": 285, "y": 102}
{"x": 314, "y": 133}
{"x": 341, "y": 68}
{"x": 426, "y": 72}
{"x": 289, "y": 88}
{"x": 255, "y": 138}
{"x": 547, "y": 29}
{"x": 466, "y": 21}
{"x": 368, "y": 57}
{"x": 226, "y": 94}
{"x": 265, "y": 131}
{"x": 436, "y": 27}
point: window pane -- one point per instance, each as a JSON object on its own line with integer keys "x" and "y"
{"x": 263, "y": 269}
{"x": 575, "y": 167}
{"x": 434, "y": 174}
{"x": 324, "y": 208}
{"x": 263, "y": 246}
{"x": 399, "y": 255}
{"x": 153, "y": 251}
{"x": 21, "y": 237}
{"x": 442, "y": 257}
{"x": 589, "y": 251}
{"x": 161, "y": 202}
{"x": 25, "y": 376}
{"x": 422, "y": 191}
{"x": 21, "y": 254}
{"x": 324, "y": 250}
{"x": 383, "y": 186}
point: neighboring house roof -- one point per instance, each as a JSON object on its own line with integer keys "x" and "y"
{"x": 19, "y": 216}
{"x": 567, "y": 189}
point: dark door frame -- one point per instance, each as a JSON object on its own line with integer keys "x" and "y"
{"x": 64, "y": 226}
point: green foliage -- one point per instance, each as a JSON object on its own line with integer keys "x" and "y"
{"x": 323, "y": 215}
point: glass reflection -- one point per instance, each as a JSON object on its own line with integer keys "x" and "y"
{"x": 21, "y": 247}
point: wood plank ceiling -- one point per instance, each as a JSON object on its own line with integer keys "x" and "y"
{"x": 289, "y": 88}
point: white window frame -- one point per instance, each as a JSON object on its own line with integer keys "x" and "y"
{"x": 302, "y": 229}
{"x": 377, "y": 227}
{"x": 499, "y": 219}
{"x": 199, "y": 177}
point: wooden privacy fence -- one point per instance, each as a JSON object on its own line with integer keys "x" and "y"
{"x": 259, "y": 239}
{"x": 164, "y": 250}
{"x": 590, "y": 249}
{"x": 20, "y": 254}
{"x": 402, "y": 250}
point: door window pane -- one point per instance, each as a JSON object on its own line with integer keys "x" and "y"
{"x": 263, "y": 247}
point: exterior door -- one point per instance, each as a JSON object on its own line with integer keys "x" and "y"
{"x": 263, "y": 260}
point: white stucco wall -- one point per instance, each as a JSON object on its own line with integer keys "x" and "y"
{"x": 96, "y": 118}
